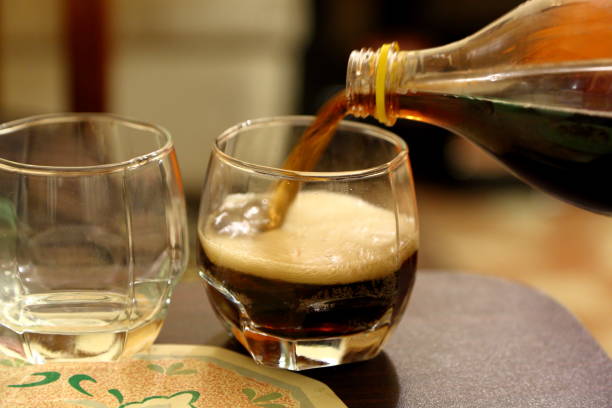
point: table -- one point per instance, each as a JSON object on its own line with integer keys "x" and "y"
{"x": 465, "y": 341}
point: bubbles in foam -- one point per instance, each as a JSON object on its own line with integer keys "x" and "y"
{"x": 327, "y": 238}
{"x": 241, "y": 214}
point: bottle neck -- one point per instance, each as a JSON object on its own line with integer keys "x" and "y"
{"x": 375, "y": 78}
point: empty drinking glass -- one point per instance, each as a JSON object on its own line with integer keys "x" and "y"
{"x": 92, "y": 236}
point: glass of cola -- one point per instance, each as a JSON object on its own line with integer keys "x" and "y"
{"x": 327, "y": 284}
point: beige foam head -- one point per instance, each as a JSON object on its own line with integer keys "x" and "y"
{"x": 327, "y": 238}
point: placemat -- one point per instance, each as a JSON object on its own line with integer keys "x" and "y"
{"x": 167, "y": 376}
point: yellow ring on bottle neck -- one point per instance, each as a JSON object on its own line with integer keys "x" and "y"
{"x": 381, "y": 79}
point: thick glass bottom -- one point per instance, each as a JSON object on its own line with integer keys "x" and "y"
{"x": 304, "y": 354}
{"x": 39, "y": 348}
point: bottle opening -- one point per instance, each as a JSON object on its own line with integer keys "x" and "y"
{"x": 370, "y": 79}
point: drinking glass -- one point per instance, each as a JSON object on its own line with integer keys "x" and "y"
{"x": 328, "y": 285}
{"x": 92, "y": 236}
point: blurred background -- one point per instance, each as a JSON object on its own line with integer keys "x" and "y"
{"x": 199, "y": 66}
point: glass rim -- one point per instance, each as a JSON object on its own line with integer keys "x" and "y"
{"x": 305, "y": 120}
{"x": 70, "y": 117}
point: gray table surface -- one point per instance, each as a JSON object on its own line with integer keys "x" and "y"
{"x": 465, "y": 341}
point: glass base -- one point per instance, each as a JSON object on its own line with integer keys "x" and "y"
{"x": 304, "y": 354}
{"x": 40, "y": 348}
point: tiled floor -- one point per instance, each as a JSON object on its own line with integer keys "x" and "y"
{"x": 526, "y": 236}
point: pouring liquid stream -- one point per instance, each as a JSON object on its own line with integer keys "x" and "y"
{"x": 550, "y": 126}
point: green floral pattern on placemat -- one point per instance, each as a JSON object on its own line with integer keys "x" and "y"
{"x": 173, "y": 369}
{"x": 168, "y": 376}
{"x": 183, "y": 399}
{"x": 263, "y": 400}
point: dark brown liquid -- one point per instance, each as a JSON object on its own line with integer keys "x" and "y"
{"x": 567, "y": 153}
{"x": 305, "y": 156}
{"x": 564, "y": 152}
{"x": 294, "y": 310}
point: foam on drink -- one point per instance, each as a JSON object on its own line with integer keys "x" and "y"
{"x": 326, "y": 238}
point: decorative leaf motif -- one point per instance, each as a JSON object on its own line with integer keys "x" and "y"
{"x": 117, "y": 394}
{"x": 268, "y": 397}
{"x": 249, "y": 393}
{"x": 75, "y": 382}
{"x": 7, "y": 363}
{"x": 174, "y": 367}
{"x": 184, "y": 399}
{"x": 49, "y": 377}
{"x": 156, "y": 367}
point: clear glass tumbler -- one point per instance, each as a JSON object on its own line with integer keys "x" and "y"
{"x": 92, "y": 236}
{"x": 328, "y": 285}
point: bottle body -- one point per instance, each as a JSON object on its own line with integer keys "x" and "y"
{"x": 525, "y": 89}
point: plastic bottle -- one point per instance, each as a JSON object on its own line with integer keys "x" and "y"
{"x": 534, "y": 89}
